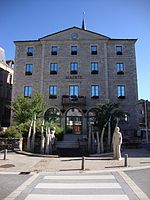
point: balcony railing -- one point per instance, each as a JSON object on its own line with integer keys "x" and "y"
{"x": 73, "y": 100}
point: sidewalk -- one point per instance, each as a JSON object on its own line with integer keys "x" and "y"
{"x": 16, "y": 163}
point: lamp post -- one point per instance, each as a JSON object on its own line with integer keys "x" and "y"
{"x": 146, "y": 124}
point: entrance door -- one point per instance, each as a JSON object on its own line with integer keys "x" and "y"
{"x": 74, "y": 121}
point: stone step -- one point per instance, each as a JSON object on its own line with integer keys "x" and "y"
{"x": 67, "y": 144}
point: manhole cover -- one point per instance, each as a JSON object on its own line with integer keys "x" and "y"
{"x": 7, "y": 166}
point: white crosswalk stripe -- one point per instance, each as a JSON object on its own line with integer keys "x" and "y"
{"x": 76, "y": 197}
{"x": 78, "y": 187}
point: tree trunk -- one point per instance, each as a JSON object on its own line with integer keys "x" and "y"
{"x": 42, "y": 138}
{"x": 47, "y": 142}
{"x": 93, "y": 142}
{"x": 50, "y": 144}
{"x": 34, "y": 132}
{"x": 102, "y": 143}
{"x": 89, "y": 139}
{"x": 29, "y": 137}
{"x": 98, "y": 142}
{"x": 109, "y": 134}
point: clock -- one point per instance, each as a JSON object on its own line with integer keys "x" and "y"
{"x": 74, "y": 36}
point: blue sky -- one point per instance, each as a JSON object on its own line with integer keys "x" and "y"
{"x": 32, "y": 19}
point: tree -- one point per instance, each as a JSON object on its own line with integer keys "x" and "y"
{"x": 24, "y": 108}
{"x": 106, "y": 114}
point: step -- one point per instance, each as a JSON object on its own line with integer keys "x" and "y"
{"x": 67, "y": 144}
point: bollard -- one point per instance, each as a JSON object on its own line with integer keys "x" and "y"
{"x": 126, "y": 160}
{"x": 5, "y": 154}
{"x": 82, "y": 165}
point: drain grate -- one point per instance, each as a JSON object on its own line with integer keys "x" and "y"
{"x": 24, "y": 173}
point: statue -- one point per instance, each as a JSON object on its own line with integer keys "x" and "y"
{"x": 117, "y": 141}
{"x": 53, "y": 135}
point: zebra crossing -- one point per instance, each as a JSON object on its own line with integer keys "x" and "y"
{"x": 78, "y": 187}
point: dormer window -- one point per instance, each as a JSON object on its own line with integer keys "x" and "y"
{"x": 119, "y": 50}
{"x": 30, "y": 51}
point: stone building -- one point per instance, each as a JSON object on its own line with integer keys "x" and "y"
{"x": 144, "y": 118}
{"x": 6, "y": 81}
{"x": 76, "y": 69}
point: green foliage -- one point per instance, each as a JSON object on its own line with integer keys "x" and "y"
{"x": 15, "y": 131}
{"x": 58, "y": 130}
{"x": 69, "y": 130}
{"x": 107, "y": 111}
{"x": 24, "y": 108}
{"x": 59, "y": 133}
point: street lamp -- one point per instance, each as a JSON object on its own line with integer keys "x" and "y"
{"x": 146, "y": 124}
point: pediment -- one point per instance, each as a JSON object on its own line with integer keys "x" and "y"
{"x": 74, "y": 33}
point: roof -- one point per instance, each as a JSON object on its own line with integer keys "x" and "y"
{"x": 74, "y": 27}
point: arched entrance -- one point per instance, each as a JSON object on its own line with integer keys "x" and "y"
{"x": 73, "y": 121}
{"x": 53, "y": 115}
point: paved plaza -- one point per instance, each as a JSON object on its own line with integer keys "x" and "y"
{"x": 62, "y": 178}
{"x": 24, "y": 163}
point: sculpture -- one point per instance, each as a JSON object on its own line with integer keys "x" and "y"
{"x": 117, "y": 141}
{"x": 53, "y": 135}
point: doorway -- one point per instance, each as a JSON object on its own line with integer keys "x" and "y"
{"x": 74, "y": 121}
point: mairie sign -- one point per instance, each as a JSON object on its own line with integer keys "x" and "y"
{"x": 74, "y": 77}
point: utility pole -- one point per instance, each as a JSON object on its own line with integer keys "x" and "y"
{"x": 146, "y": 124}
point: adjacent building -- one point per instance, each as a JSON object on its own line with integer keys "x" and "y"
{"x": 6, "y": 82}
{"x": 76, "y": 69}
{"x": 144, "y": 118}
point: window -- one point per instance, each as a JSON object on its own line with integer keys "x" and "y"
{"x": 119, "y": 50}
{"x": 73, "y": 68}
{"x": 30, "y": 51}
{"x": 54, "y": 50}
{"x": 53, "y": 91}
{"x": 28, "y": 69}
{"x": 53, "y": 68}
{"x": 121, "y": 91}
{"x": 95, "y": 91}
{"x": 94, "y": 68}
{"x": 93, "y": 50}
{"x": 73, "y": 90}
{"x": 27, "y": 91}
{"x": 120, "y": 68}
{"x": 73, "y": 50}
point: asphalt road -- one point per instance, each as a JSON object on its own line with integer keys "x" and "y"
{"x": 10, "y": 182}
{"x": 141, "y": 179}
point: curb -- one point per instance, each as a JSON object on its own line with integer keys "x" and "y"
{"x": 35, "y": 154}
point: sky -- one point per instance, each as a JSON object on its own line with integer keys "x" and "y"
{"x": 33, "y": 19}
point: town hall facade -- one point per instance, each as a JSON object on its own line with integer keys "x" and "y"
{"x": 76, "y": 69}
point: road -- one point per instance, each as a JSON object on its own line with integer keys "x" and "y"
{"x": 10, "y": 182}
{"x": 74, "y": 186}
{"x": 142, "y": 179}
